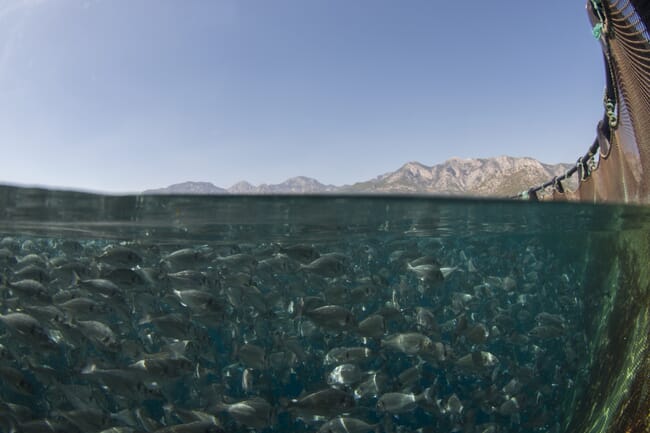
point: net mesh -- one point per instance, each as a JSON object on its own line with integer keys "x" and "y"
{"x": 623, "y": 170}
{"x": 622, "y": 175}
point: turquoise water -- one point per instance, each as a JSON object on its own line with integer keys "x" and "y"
{"x": 300, "y": 314}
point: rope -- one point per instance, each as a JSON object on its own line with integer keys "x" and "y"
{"x": 599, "y": 28}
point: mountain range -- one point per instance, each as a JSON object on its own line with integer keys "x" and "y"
{"x": 501, "y": 176}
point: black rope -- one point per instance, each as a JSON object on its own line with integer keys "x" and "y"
{"x": 581, "y": 166}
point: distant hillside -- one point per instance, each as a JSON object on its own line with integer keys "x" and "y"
{"x": 502, "y": 176}
{"x": 294, "y": 185}
{"x": 188, "y": 188}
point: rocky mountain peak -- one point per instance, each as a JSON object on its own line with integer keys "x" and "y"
{"x": 501, "y": 176}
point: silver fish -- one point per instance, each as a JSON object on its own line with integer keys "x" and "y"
{"x": 33, "y": 290}
{"x": 252, "y": 356}
{"x": 347, "y": 355}
{"x": 193, "y": 427}
{"x": 100, "y": 286}
{"x": 33, "y": 272}
{"x": 84, "y": 308}
{"x": 397, "y": 402}
{"x": 186, "y": 258}
{"x": 327, "y": 265}
{"x": 477, "y": 361}
{"x": 27, "y": 327}
{"x": 411, "y": 343}
{"x": 120, "y": 256}
{"x": 373, "y": 326}
{"x": 426, "y": 272}
{"x": 326, "y": 402}
{"x": 453, "y": 405}
{"x": 131, "y": 383}
{"x": 301, "y": 252}
{"x": 344, "y": 374}
{"x": 255, "y": 412}
{"x": 163, "y": 366}
{"x": 372, "y": 387}
{"x": 200, "y": 301}
{"x": 346, "y": 425}
{"x": 332, "y": 317}
{"x": 99, "y": 333}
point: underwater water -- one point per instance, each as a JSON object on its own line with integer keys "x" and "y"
{"x": 315, "y": 314}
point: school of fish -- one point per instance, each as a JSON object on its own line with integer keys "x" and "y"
{"x": 362, "y": 334}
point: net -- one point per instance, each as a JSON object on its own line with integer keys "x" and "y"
{"x": 616, "y": 167}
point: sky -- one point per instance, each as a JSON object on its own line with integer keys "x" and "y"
{"x": 126, "y": 95}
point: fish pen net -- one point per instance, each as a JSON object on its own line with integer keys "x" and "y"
{"x": 616, "y": 169}
{"x": 624, "y": 150}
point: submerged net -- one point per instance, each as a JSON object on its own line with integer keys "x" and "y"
{"x": 616, "y": 168}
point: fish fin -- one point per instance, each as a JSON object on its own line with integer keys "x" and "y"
{"x": 147, "y": 319}
{"x": 429, "y": 395}
{"x": 89, "y": 369}
{"x": 448, "y": 271}
{"x": 284, "y": 402}
{"x": 75, "y": 279}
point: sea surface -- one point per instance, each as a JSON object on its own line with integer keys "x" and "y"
{"x": 311, "y": 313}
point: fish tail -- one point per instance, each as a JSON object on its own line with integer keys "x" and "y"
{"x": 145, "y": 320}
{"x": 428, "y": 395}
{"x": 448, "y": 271}
{"x": 75, "y": 279}
{"x": 89, "y": 369}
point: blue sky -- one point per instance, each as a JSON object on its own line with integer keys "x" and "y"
{"x": 125, "y": 95}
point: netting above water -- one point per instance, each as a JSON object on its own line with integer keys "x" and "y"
{"x": 614, "y": 169}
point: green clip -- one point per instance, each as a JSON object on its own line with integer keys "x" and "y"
{"x": 598, "y": 30}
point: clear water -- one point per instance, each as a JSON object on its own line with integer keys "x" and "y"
{"x": 505, "y": 342}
